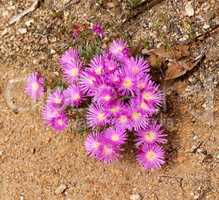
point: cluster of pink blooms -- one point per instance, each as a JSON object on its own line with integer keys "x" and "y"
{"x": 123, "y": 101}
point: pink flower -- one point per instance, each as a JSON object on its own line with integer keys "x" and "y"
{"x": 151, "y": 135}
{"x": 59, "y": 123}
{"x": 56, "y": 99}
{"x": 151, "y": 95}
{"x": 138, "y": 66}
{"x": 73, "y": 96}
{"x": 128, "y": 82}
{"x": 104, "y": 95}
{"x": 138, "y": 119}
{"x": 88, "y": 82}
{"x": 151, "y": 156}
{"x": 98, "y": 30}
{"x": 35, "y": 86}
{"x": 119, "y": 49}
{"x": 115, "y": 136}
{"x": 49, "y": 113}
{"x": 93, "y": 143}
{"x": 96, "y": 116}
{"x": 97, "y": 65}
{"x": 108, "y": 152}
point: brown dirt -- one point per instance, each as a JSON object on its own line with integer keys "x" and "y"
{"x": 34, "y": 161}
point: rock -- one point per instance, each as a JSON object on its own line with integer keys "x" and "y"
{"x": 22, "y": 30}
{"x": 135, "y": 197}
{"x": 60, "y": 189}
{"x": 29, "y": 22}
{"x": 110, "y": 5}
{"x": 189, "y": 9}
{"x": 206, "y": 26}
{"x": 4, "y": 32}
{"x": 52, "y": 51}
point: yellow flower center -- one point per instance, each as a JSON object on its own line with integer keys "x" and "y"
{"x": 119, "y": 49}
{"x": 150, "y": 155}
{"x": 115, "y": 109}
{"x": 96, "y": 145}
{"x": 123, "y": 119}
{"x": 147, "y": 96}
{"x": 98, "y": 70}
{"x": 111, "y": 67}
{"x": 115, "y": 137}
{"x": 74, "y": 72}
{"x": 136, "y": 115}
{"x": 101, "y": 116}
{"x": 35, "y": 86}
{"x": 76, "y": 96}
{"x": 127, "y": 83}
{"x": 135, "y": 69}
{"x": 107, "y": 97}
{"x": 91, "y": 80}
{"x": 57, "y": 100}
{"x": 107, "y": 150}
{"x": 141, "y": 85}
{"x": 143, "y": 106}
{"x": 149, "y": 136}
{"x": 60, "y": 122}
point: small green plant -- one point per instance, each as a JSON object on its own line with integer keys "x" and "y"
{"x": 134, "y": 3}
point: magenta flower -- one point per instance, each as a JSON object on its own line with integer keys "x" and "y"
{"x": 138, "y": 119}
{"x": 69, "y": 58}
{"x": 108, "y": 152}
{"x": 151, "y": 94}
{"x": 114, "y": 108}
{"x": 96, "y": 116}
{"x": 93, "y": 143}
{"x": 151, "y": 135}
{"x": 104, "y": 95}
{"x": 49, "y": 113}
{"x": 72, "y": 72}
{"x": 59, "y": 123}
{"x": 56, "y": 99}
{"x": 142, "y": 82}
{"x": 144, "y": 107}
{"x": 115, "y": 136}
{"x": 98, "y": 30}
{"x": 151, "y": 156}
{"x": 123, "y": 99}
{"x": 114, "y": 79}
{"x": 73, "y": 96}
{"x": 97, "y": 65}
{"x": 88, "y": 83}
{"x": 35, "y": 86}
{"x": 110, "y": 64}
{"x": 128, "y": 83}
{"x": 122, "y": 120}
{"x": 137, "y": 66}
{"x": 119, "y": 49}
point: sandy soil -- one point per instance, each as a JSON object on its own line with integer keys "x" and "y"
{"x": 37, "y": 164}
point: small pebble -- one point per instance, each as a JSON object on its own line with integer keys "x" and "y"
{"x": 52, "y": 51}
{"x": 22, "y": 30}
{"x": 60, "y": 189}
{"x": 29, "y": 22}
{"x": 206, "y": 26}
{"x": 110, "y": 5}
{"x": 135, "y": 197}
{"x": 189, "y": 9}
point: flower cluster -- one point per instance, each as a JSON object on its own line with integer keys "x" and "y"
{"x": 124, "y": 98}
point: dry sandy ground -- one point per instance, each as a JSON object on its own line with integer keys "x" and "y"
{"x": 35, "y": 162}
